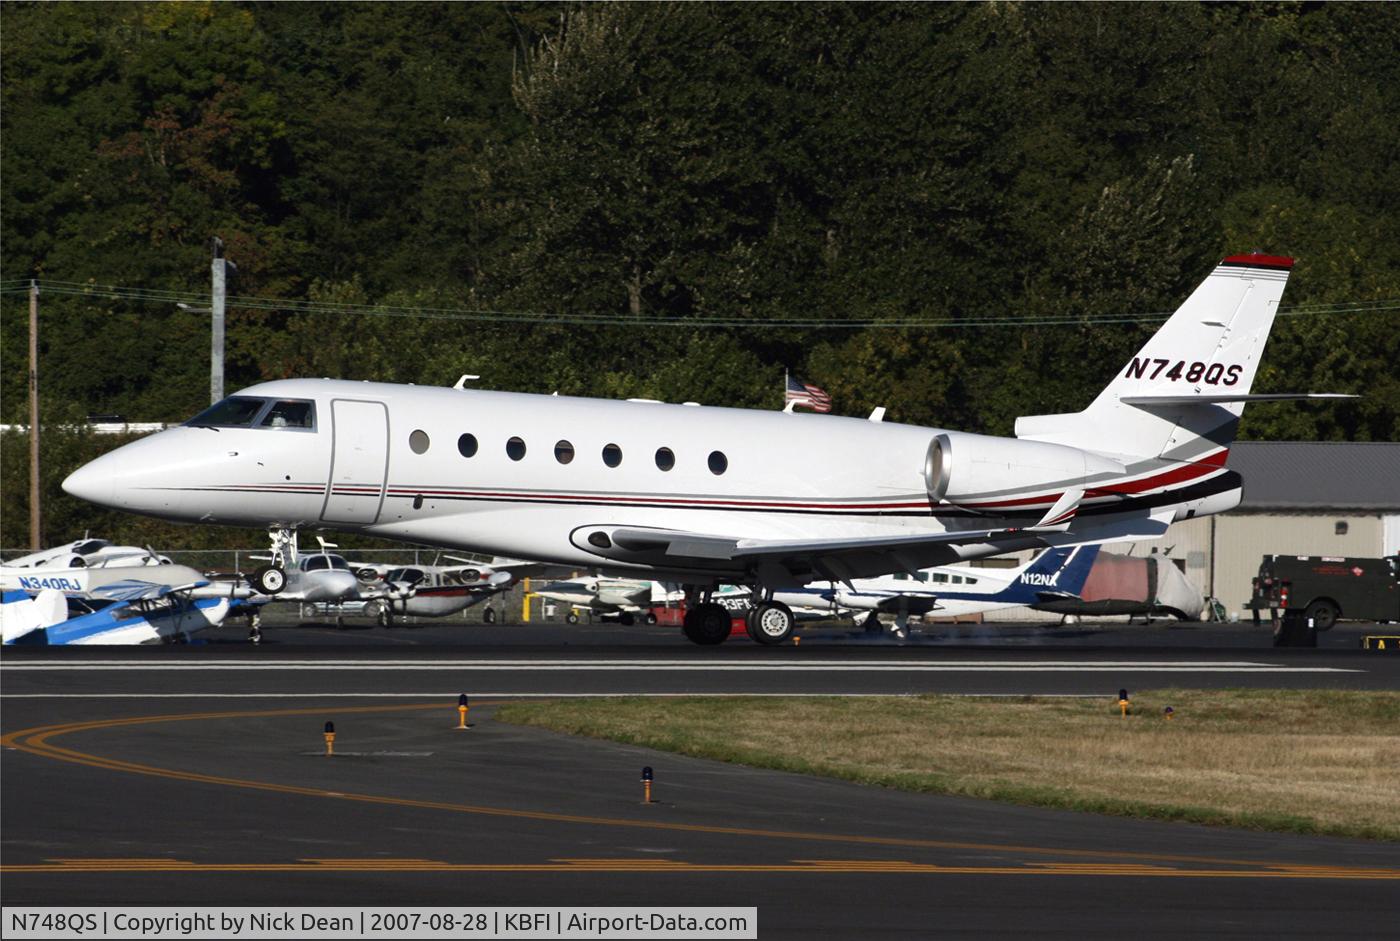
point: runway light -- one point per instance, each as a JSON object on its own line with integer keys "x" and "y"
{"x": 462, "y": 712}
{"x": 1124, "y": 704}
{"x": 1168, "y": 712}
{"x": 646, "y": 784}
{"x": 330, "y": 739}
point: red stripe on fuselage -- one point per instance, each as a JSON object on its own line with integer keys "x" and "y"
{"x": 1207, "y": 465}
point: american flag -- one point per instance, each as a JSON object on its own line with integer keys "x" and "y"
{"x": 804, "y": 393}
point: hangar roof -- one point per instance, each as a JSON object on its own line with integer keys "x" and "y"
{"x": 1318, "y": 475}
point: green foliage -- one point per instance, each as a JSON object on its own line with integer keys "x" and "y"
{"x": 692, "y": 161}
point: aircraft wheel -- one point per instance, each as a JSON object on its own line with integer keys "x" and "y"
{"x": 627, "y": 619}
{"x": 707, "y": 624}
{"x": 1323, "y": 615}
{"x": 571, "y": 618}
{"x": 269, "y": 579}
{"x": 488, "y": 616}
{"x": 771, "y": 623}
{"x": 872, "y": 624}
{"x": 651, "y": 618}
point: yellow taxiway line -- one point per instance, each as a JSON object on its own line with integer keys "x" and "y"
{"x": 38, "y": 741}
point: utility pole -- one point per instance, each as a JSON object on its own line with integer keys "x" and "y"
{"x": 216, "y": 349}
{"x": 35, "y": 524}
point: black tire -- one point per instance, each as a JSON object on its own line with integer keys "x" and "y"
{"x": 627, "y": 618}
{"x": 488, "y": 616}
{"x": 707, "y": 624}
{"x": 650, "y": 618}
{"x": 872, "y": 625}
{"x": 571, "y": 618}
{"x": 270, "y": 579}
{"x": 771, "y": 623}
{"x": 1323, "y": 615}
{"x": 1293, "y": 631}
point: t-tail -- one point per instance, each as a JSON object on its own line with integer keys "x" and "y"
{"x": 1180, "y": 397}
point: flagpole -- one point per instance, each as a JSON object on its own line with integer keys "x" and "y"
{"x": 785, "y": 386}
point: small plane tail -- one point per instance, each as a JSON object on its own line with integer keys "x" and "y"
{"x": 23, "y": 619}
{"x": 1180, "y": 397}
{"x": 1058, "y": 571}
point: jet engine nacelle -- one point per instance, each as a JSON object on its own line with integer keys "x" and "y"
{"x": 976, "y": 470}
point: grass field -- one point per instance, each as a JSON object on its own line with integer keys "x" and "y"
{"x": 1301, "y": 761}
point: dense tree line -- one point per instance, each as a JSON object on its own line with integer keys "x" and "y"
{"x": 691, "y": 162}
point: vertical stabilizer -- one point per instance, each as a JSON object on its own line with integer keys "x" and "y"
{"x": 1180, "y": 383}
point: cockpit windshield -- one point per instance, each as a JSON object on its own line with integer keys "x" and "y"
{"x": 247, "y": 411}
{"x": 319, "y": 563}
{"x": 236, "y": 411}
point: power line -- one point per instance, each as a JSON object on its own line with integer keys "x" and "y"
{"x": 536, "y": 318}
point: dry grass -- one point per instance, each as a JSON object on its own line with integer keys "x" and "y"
{"x": 1305, "y": 761}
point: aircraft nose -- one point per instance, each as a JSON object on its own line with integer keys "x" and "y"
{"x": 92, "y": 482}
{"x": 145, "y": 476}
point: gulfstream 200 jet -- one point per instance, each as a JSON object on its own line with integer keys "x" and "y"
{"x": 704, "y": 496}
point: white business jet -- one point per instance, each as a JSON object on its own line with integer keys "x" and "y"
{"x": 705, "y": 496}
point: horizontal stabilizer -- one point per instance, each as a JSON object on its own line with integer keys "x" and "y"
{"x": 1151, "y": 401}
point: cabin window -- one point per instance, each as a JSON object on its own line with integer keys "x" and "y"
{"x": 718, "y": 463}
{"x": 957, "y": 579}
{"x": 665, "y": 459}
{"x": 515, "y": 449}
{"x": 612, "y": 455}
{"x": 563, "y": 452}
{"x": 418, "y": 441}
{"x": 901, "y": 576}
{"x": 290, "y": 413}
{"x": 972, "y": 581}
{"x": 1341, "y": 528}
{"x": 466, "y": 445}
{"x": 921, "y": 576}
{"x": 939, "y": 577}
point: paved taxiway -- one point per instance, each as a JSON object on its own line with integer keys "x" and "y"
{"x": 196, "y": 775}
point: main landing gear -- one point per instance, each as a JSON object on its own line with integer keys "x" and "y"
{"x": 771, "y": 622}
{"x": 706, "y": 623}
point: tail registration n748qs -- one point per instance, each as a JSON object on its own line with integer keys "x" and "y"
{"x": 704, "y": 496}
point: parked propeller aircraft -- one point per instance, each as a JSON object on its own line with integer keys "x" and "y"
{"x": 127, "y": 612}
{"x": 88, "y": 553}
{"x": 705, "y": 496}
{"x": 626, "y": 598}
{"x": 436, "y": 591}
{"x": 952, "y": 591}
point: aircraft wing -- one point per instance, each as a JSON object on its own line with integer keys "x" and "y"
{"x": 132, "y": 589}
{"x": 797, "y": 562}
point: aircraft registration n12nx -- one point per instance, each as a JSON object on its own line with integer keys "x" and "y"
{"x": 705, "y": 495}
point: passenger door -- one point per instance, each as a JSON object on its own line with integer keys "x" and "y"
{"x": 359, "y": 462}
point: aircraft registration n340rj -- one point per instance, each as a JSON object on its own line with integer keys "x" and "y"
{"x": 704, "y": 495}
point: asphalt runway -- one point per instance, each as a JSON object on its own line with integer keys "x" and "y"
{"x": 197, "y": 775}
